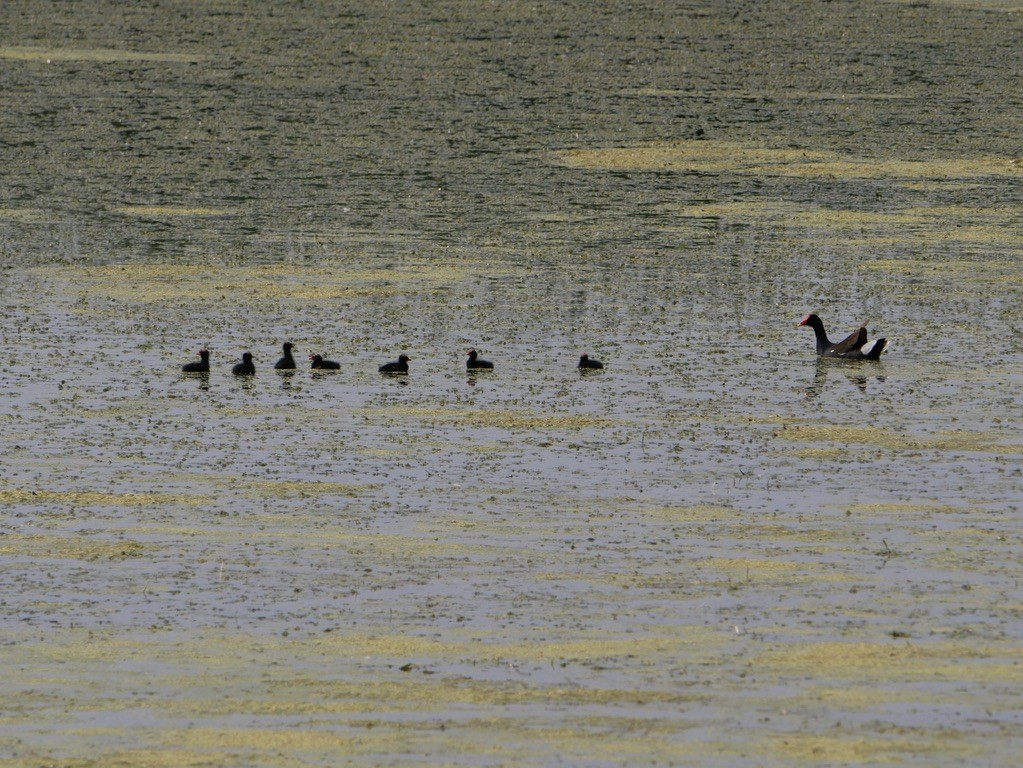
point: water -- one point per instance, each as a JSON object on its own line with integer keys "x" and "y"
{"x": 718, "y": 550}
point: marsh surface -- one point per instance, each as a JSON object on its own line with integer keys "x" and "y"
{"x": 717, "y": 550}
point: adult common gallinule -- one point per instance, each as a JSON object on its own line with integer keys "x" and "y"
{"x": 325, "y": 365}
{"x": 475, "y": 362}
{"x": 245, "y": 367}
{"x": 585, "y": 361}
{"x": 287, "y": 362}
{"x": 202, "y": 365}
{"x": 398, "y": 366}
{"x": 852, "y": 347}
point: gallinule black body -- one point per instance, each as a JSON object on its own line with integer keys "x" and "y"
{"x": 287, "y": 362}
{"x": 398, "y": 366}
{"x": 585, "y": 361}
{"x": 245, "y": 367}
{"x": 324, "y": 365}
{"x": 202, "y": 365}
{"x": 852, "y": 347}
{"x": 475, "y": 362}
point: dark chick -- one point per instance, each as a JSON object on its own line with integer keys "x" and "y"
{"x": 319, "y": 363}
{"x": 287, "y": 362}
{"x": 202, "y": 365}
{"x": 475, "y": 362}
{"x": 245, "y": 367}
{"x": 398, "y": 366}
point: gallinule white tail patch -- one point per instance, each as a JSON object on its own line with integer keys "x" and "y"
{"x": 398, "y": 366}
{"x": 853, "y": 347}
{"x": 287, "y": 362}
{"x": 202, "y": 365}
{"x": 475, "y": 362}
{"x": 325, "y": 365}
{"x": 245, "y": 367}
{"x": 585, "y": 361}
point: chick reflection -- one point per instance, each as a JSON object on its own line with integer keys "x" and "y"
{"x": 286, "y": 377}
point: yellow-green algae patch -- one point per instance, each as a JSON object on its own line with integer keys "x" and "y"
{"x": 796, "y": 532}
{"x": 959, "y": 224}
{"x": 303, "y": 696}
{"x": 702, "y": 513}
{"x": 966, "y": 535}
{"x": 398, "y": 548}
{"x": 877, "y": 749}
{"x": 382, "y": 452}
{"x": 28, "y": 215}
{"x": 98, "y": 498}
{"x": 899, "y": 508}
{"x": 910, "y": 225}
{"x": 288, "y": 488}
{"x": 584, "y": 646}
{"x": 869, "y": 696}
{"x": 731, "y": 520}
{"x": 61, "y": 547}
{"x": 259, "y": 740}
{"x": 742, "y": 568}
{"x": 171, "y": 211}
{"x": 707, "y": 156}
{"x": 882, "y": 437}
{"x": 46, "y": 54}
{"x": 770, "y": 95}
{"x": 227, "y": 650}
{"x": 823, "y": 454}
{"x": 162, "y": 757}
{"x": 173, "y": 282}
{"x": 963, "y": 270}
{"x": 896, "y": 661}
{"x": 723, "y": 156}
{"x": 507, "y": 739}
{"x": 494, "y": 418}
{"x": 1006, "y": 6}
{"x": 743, "y": 209}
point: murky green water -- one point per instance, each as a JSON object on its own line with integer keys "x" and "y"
{"x": 717, "y": 551}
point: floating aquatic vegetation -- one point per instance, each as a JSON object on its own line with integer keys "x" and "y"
{"x": 86, "y": 498}
{"x": 78, "y": 548}
{"x": 723, "y": 156}
{"x": 498, "y": 419}
{"x": 303, "y": 488}
{"x": 891, "y": 439}
{"x": 48, "y": 54}
{"x": 895, "y": 661}
{"x": 172, "y": 210}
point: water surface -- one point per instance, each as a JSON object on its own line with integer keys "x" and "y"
{"x": 718, "y": 550}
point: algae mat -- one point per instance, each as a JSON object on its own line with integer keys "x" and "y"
{"x": 716, "y": 551}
